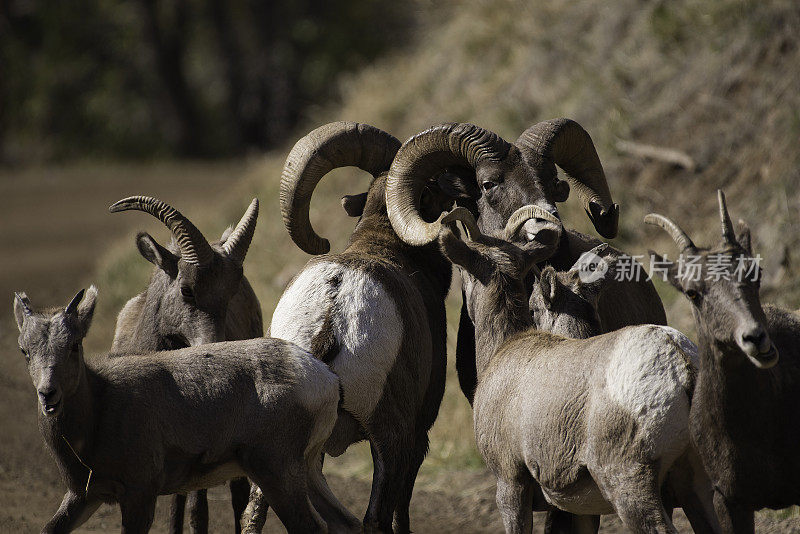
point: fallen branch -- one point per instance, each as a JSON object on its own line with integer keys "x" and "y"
{"x": 667, "y": 155}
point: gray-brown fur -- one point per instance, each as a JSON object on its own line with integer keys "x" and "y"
{"x": 414, "y": 280}
{"x": 186, "y": 419}
{"x": 553, "y": 419}
{"x": 744, "y": 416}
{"x": 188, "y": 304}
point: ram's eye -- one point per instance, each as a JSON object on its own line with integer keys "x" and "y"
{"x": 187, "y": 292}
{"x": 488, "y": 184}
{"x": 692, "y": 294}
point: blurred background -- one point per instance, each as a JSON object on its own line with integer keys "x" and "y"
{"x": 198, "y": 103}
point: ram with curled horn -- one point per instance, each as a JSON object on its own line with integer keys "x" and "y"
{"x": 496, "y": 178}
{"x": 197, "y": 294}
{"x": 375, "y": 312}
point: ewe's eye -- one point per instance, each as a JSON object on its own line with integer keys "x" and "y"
{"x": 25, "y": 353}
{"x": 692, "y": 294}
{"x": 488, "y": 184}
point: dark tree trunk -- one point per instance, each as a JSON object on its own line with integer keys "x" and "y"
{"x": 168, "y": 48}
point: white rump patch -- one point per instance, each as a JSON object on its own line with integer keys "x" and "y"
{"x": 649, "y": 376}
{"x": 364, "y": 321}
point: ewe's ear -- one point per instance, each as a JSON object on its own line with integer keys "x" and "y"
{"x": 85, "y": 308}
{"x": 156, "y": 254}
{"x": 354, "y": 204}
{"x": 22, "y": 308}
{"x": 743, "y": 236}
{"x": 548, "y": 283}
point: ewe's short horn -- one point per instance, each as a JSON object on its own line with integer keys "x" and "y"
{"x": 727, "y": 226}
{"x": 334, "y": 145}
{"x": 425, "y": 155}
{"x": 571, "y": 148}
{"x": 235, "y": 247}
{"x": 193, "y": 245}
{"x": 678, "y": 235}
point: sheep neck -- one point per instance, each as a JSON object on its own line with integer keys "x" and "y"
{"x": 69, "y": 434}
{"x": 499, "y": 311}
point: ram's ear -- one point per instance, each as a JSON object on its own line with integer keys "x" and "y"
{"x": 458, "y": 184}
{"x": 156, "y": 254}
{"x": 354, "y": 204}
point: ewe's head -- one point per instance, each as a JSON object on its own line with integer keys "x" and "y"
{"x": 494, "y": 179}
{"x": 194, "y": 280}
{"x": 494, "y": 263}
{"x": 565, "y": 302}
{"x": 722, "y": 285}
{"x": 52, "y": 343}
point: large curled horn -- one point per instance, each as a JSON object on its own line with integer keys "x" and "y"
{"x": 571, "y": 148}
{"x": 235, "y": 247}
{"x": 425, "y": 155}
{"x": 334, "y": 145}
{"x": 676, "y": 233}
{"x": 727, "y": 226}
{"x": 193, "y": 245}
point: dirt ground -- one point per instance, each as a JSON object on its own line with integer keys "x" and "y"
{"x": 53, "y": 228}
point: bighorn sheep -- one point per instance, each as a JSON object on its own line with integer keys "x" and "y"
{"x": 197, "y": 294}
{"x": 744, "y": 417}
{"x": 592, "y": 426}
{"x": 497, "y": 178}
{"x": 374, "y": 312}
{"x": 126, "y": 428}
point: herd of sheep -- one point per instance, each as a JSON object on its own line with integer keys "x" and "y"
{"x": 585, "y": 402}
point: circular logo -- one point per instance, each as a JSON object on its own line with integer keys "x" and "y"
{"x": 591, "y": 267}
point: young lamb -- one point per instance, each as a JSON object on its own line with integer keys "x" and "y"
{"x": 591, "y": 426}
{"x": 125, "y": 429}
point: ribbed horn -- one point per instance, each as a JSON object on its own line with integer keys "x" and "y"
{"x": 679, "y": 236}
{"x": 727, "y": 226}
{"x": 571, "y": 148}
{"x": 193, "y": 245}
{"x": 235, "y": 247}
{"x": 334, "y": 145}
{"x": 422, "y": 157}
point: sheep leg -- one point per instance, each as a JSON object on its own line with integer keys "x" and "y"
{"x": 176, "y": 511}
{"x": 73, "y": 512}
{"x": 692, "y": 490}
{"x": 338, "y": 518}
{"x": 240, "y": 493}
{"x": 198, "y": 511}
{"x": 561, "y": 522}
{"x": 733, "y": 518}
{"x": 284, "y": 484}
{"x": 634, "y": 492}
{"x": 389, "y": 468}
{"x": 515, "y": 502}
{"x": 138, "y": 511}
{"x": 402, "y": 522}
{"x": 255, "y": 514}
